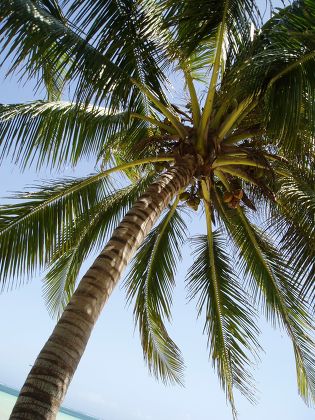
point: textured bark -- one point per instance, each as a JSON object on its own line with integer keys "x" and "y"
{"x": 50, "y": 376}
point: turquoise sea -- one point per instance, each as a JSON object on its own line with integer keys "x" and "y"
{"x": 8, "y": 397}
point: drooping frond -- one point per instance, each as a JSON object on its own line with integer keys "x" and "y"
{"x": 278, "y": 69}
{"x": 33, "y": 37}
{"x": 229, "y": 324}
{"x": 52, "y": 73}
{"x": 293, "y": 223}
{"x": 58, "y": 132}
{"x": 272, "y": 287}
{"x": 54, "y": 80}
{"x": 292, "y": 86}
{"x": 129, "y": 31}
{"x": 32, "y": 229}
{"x": 80, "y": 239}
{"x": 40, "y": 219}
{"x": 53, "y": 7}
{"x": 150, "y": 283}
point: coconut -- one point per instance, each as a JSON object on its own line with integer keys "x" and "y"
{"x": 184, "y": 196}
{"x": 227, "y": 197}
{"x": 193, "y": 203}
{"x": 238, "y": 194}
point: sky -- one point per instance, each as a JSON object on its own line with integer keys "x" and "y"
{"x": 112, "y": 381}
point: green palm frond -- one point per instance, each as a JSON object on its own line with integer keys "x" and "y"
{"x": 150, "y": 283}
{"x": 52, "y": 73}
{"x": 293, "y": 223}
{"x": 32, "y": 37}
{"x": 42, "y": 216}
{"x": 270, "y": 284}
{"x": 54, "y": 77}
{"x": 58, "y": 132}
{"x": 53, "y": 7}
{"x": 230, "y": 319}
{"x": 32, "y": 229}
{"x": 278, "y": 68}
{"x": 207, "y": 17}
{"x": 80, "y": 239}
{"x": 200, "y": 61}
{"x": 129, "y": 31}
{"x": 54, "y": 82}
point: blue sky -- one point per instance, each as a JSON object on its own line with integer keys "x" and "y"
{"x": 112, "y": 381}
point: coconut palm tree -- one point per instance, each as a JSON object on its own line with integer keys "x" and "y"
{"x": 238, "y": 146}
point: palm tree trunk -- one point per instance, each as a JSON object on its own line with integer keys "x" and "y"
{"x": 51, "y": 374}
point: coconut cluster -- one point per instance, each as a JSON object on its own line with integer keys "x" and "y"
{"x": 233, "y": 198}
{"x": 192, "y": 200}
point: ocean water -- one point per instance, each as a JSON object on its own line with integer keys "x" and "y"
{"x": 8, "y": 397}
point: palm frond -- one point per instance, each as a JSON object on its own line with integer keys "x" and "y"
{"x": 207, "y": 17}
{"x": 33, "y": 37}
{"x": 54, "y": 8}
{"x": 129, "y": 31}
{"x": 229, "y": 324}
{"x": 57, "y": 133}
{"x": 53, "y": 77}
{"x": 271, "y": 285}
{"x": 42, "y": 215}
{"x": 277, "y": 67}
{"x": 30, "y": 230}
{"x": 293, "y": 223}
{"x": 150, "y": 283}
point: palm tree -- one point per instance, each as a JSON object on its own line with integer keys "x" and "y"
{"x": 239, "y": 146}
